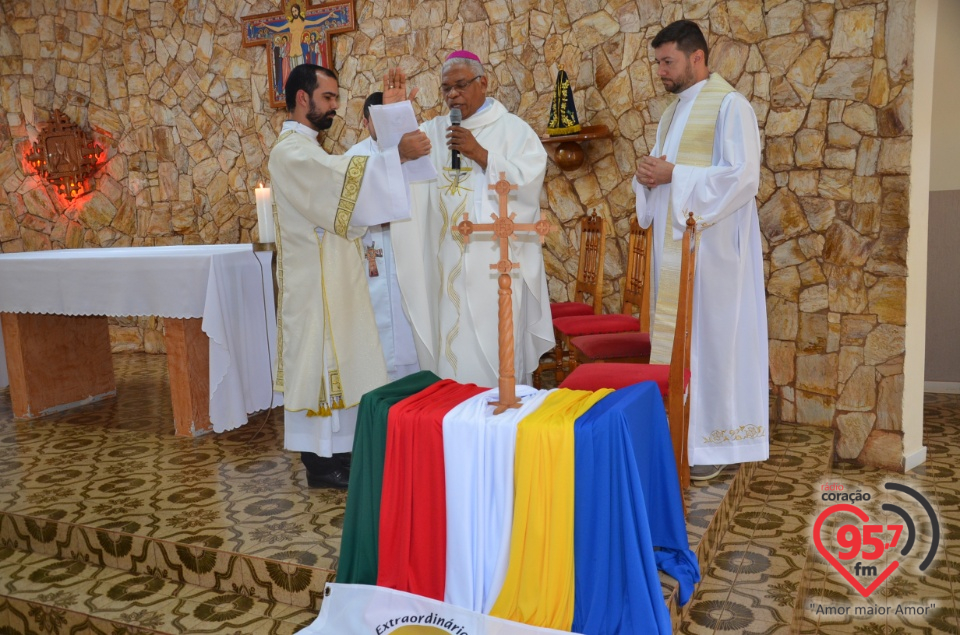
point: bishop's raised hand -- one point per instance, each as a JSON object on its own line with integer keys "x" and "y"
{"x": 395, "y": 87}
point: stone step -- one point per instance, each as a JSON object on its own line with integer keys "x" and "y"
{"x": 716, "y": 504}
{"x": 42, "y": 593}
{"x": 290, "y": 578}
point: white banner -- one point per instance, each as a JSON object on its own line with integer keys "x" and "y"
{"x": 360, "y": 609}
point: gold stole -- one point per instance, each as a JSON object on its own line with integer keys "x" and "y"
{"x": 696, "y": 149}
{"x": 339, "y": 286}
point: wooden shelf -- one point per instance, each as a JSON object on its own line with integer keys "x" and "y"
{"x": 569, "y": 154}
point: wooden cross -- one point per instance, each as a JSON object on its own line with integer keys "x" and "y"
{"x": 503, "y": 228}
{"x": 371, "y": 254}
{"x": 298, "y": 34}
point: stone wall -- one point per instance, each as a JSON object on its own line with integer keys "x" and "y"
{"x": 168, "y": 90}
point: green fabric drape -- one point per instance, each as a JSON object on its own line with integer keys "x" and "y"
{"x": 359, "y": 555}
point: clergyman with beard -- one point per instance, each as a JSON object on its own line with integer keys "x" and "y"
{"x": 707, "y": 161}
{"x": 329, "y": 349}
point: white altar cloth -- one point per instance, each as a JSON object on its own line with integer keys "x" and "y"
{"x": 229, "y": 286}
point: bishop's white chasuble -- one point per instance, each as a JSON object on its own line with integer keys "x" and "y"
{"x": 449, "y": 290}
{"x": 329, "y": 353}
{"x": 729, "y": 413}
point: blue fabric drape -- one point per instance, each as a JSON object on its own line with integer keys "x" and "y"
{"x": 626, "y": 475}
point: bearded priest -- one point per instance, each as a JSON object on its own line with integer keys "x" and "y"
{"x": 449, "y": 291}
{"x": 329, "y": 350}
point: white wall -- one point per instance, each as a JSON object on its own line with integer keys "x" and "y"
{"x": 945, "y": 147}
{"x": 924, "y": 42}
{"x": 942, "y": 365}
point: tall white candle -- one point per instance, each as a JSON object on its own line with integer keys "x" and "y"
{"x": 265, "y": 215}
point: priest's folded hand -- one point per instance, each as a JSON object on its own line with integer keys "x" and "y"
{"x": 654, "y": 171}
{"x": 413, "y": 145}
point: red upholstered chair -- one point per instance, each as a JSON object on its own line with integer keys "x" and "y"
{"x": 633, "y": 348}
{"x": 636, "y": 297}
{"x": 673, "y": 379}
{"x": 593, "y": 233}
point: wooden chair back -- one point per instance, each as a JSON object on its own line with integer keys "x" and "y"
{"x": 593, "y": 245}
{"x": 636, "y": 286}
{"x": 678, "y": 402}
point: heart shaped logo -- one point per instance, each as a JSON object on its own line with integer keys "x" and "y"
{"x": 853, "y": 540}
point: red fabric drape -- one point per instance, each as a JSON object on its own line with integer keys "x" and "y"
{"x": 413, "y": 510}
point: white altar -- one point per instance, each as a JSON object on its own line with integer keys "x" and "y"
{"x": 221, "y": 293}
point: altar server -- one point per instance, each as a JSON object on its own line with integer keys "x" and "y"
{"x": 396, "y": 338}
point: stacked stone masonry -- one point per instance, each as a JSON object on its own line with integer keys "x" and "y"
{"x": 167, "y": 89}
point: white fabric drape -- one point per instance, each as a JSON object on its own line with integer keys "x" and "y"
{"x": 478, "y": 449}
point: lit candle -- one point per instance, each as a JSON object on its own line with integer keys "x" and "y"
{"x": 265, "y": 215}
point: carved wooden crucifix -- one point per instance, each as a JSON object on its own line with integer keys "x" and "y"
{"x": 298, "y": 34}
{"x": 371, "y": 253}
{"x": 503, "y": 228}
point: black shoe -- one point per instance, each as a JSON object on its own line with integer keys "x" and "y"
{"x": 343, "y": 459}
{"x": 337, "y": 478}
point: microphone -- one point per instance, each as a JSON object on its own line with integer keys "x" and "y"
{"x": 455, "y": 119}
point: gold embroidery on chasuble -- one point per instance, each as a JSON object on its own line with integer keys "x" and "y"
{"x": 447, "y": 232}
{"x": 324, "y": 405}
{"x": 349, "y": 194}
{"x": 737, "y": 434}
{"x": 455, "y": 181}
{"x": 278, "y": 380}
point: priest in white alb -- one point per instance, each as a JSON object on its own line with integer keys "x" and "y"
{"x": 329, "y": 351}
{"x": 449, "y": 289}
{"x": 707, "y": 161}
{"x": 396, "y": 337}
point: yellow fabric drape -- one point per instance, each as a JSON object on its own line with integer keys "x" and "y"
{"x": 539, "y": 585}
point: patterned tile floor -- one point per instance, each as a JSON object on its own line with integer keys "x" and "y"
{"x": 767, "y": 577}
{"x": 107, "y": 519}
{"x": 213, "y": 534}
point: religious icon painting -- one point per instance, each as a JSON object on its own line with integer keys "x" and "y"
{"x": 298, "y": 34}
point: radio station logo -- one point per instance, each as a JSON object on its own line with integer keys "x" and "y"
{"x": 857, "y": 547}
